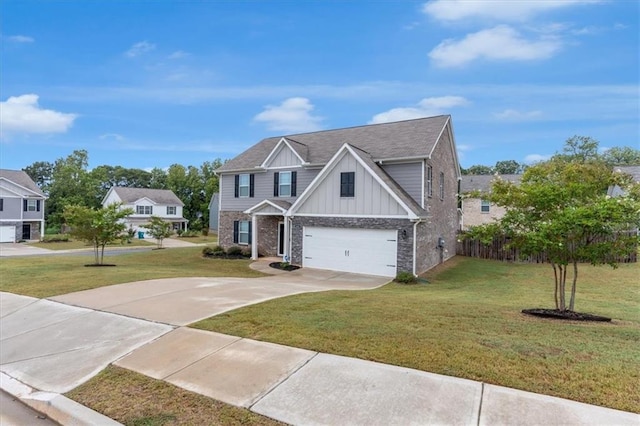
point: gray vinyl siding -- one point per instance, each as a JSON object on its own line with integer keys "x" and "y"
{"x": 11, "y": 209}
{"x": 408, "y": 177}
{"x": 263, "y": 188}
{"x": 284, "y": 158}
{"x": 370, "y": 198}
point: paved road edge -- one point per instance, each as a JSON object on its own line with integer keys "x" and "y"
{"x": 55, "y": 406}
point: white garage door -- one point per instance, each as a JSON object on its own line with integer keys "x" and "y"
{"x": 7, "y": 234}
{"x": 363, "y": 251}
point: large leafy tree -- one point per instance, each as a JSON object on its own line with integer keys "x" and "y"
{"x": 561, "y": 208}
{"x": 622, "y": 156}
{"x": 98, "y": 227}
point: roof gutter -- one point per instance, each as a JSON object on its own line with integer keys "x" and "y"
{"x": 401, "y": 159}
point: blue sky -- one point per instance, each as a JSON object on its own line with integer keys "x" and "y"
{"x": 151, "y": 83}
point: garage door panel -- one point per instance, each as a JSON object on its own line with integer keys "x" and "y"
{"x": 366, "y": 251}
{"x": 7, "y": 234}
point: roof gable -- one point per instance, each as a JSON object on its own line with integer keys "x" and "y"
{"x": 483, "y": 183}
{"x": 394, "y": 201}
{"x": 386, "y": 141}
{"x": 157, "y": 196}
{"x": 22, "y": 182}
{"x": 285, "y": 155}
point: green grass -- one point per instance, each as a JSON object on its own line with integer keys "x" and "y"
{"x": 46, "y": 276}
{"x": 74, "y": 244}
{"x": 467, "y": 323}
{"x": 136, "y": 400}
{"x": 208, "y": 239}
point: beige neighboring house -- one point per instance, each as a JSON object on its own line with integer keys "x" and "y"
{"x": 476, "y": 210}
{"x": 145, "y": 203}
{"x": 21, "y": 207}
{"x": 377, "y": 199}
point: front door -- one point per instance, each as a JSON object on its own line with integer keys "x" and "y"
{"x": 281, "y": 239}
{"x": 26, "y": 231}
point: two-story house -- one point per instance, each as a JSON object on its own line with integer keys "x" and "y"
{"x": 21, "y": 207}
{"x": 145, "y": 203}
{"x": 477, "y": 210}
{"x": 376, "y": 199}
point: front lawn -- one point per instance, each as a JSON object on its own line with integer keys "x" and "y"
{"x": 46, "y": 276}
{"x": 467, "y": 323}
{"x": 76, "y": 244}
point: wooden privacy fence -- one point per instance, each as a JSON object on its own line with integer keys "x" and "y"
{"x": 498, "y": 250}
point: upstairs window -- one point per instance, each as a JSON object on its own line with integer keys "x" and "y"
{"x": 485, "y": 206}
{"x": 148, "y": 210}
{"x": 429, "y": 181}
{"x": 243, "y": 186}
{"x": 347, "y": 184}
{"x": 284, "y": 184}
{"x": 171, "y": 210}
{"x": 31, "y": 205}
{"x": 441, "y": 186}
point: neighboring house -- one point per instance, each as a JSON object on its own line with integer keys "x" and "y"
{"x": 475, "y": 209}
{"x": 214, "y": 208}
{"x": 634, "y": 171}
{"x": 146, "y": 203}
{"x": 21, "y": 207}
{"x": 376, "y": 199}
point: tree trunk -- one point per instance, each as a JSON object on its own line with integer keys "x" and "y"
{"x": 96, "y": 253}
{"x": 555, "y": 276}
{"x": 563, "y": 281}
{"x": 573, "y": 286}
{"x": 102, "y": 254}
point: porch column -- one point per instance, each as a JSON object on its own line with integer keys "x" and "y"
{"x": 254, "y": 237}
{"x": 285, "y": 251}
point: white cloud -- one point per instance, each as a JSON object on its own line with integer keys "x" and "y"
{"x": 499, "y": 43}
{"x": 112, "y": 136}
{"x": 140, "y": 48}
{"x": 515, "y": 115}
{"x": 292, "y": 115}
{"x": 22, "y": 114}
{"x": 21, "y": 39}
{"x": 495, "y": 10}
{"x": 425, "y": 108}
{"x": 178, "y": 54}
{"x": 534, "y": 158}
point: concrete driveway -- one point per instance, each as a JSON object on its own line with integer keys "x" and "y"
{"x": 182, "y": 301}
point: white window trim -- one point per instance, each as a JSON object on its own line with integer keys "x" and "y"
{"x": 241, "y": 185}
{"x": 241, "y": 232}
{"x": 483, "y": 204}
{"x": 429, "y": 181}
{"x": 174, "y": 210}
{"x": 280, "y": 184}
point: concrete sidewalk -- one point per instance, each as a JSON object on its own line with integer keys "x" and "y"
{"x": 302, "y": 387}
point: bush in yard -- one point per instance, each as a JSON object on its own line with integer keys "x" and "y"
{"x": 52, "y": 230}
{"x": 55, "y": 238}
{"x": 189, "y": 234}
{"x": 218, "y": 251}
{"x": 246, "y": 252}
{"x": 405, "y": 277}
{"x": 234, "y": 251}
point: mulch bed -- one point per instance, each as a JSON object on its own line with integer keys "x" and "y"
{"x": 100, "y": 265}
{"x": 564, "y": 315}
{"x": 226, "y": 256}
{"x": 284, "y": 267}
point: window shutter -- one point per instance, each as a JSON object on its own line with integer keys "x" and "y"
{"x": 276, "y": 177}
{"x": 236, "y": 191}
{"x": 24, "y": 205}
{"x": 37, "y": 205}
{"x": 293, "y": 183}
{"x": 236, "y": 225}
{"x": 251, "y": 181}
{"x": 250, "y": 232}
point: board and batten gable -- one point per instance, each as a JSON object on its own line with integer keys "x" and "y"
{"x": 409, "y": 177}
{"x": 370, "y": 197}
{"x": 283, "y": 157}
{"x": 263, "y": 188}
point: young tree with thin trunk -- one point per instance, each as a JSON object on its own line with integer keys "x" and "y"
{"x": 561, "y": 209}
{"x": 98, "y": 227}
{"x": 159, "y": 229}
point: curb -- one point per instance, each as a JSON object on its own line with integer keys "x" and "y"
{"x": 54, "y": 405}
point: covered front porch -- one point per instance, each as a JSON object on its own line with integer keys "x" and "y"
{"x": 271, "y": 230}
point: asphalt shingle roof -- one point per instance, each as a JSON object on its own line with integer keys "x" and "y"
{"x": 482, "y": 183}
{"x": 410, "y": 138}
{"x": 158, "y": 196}
{"x": 634, "y": 171}
{"x": 21, "y": 178}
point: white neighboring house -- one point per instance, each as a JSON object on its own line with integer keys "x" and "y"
{"x": 145, "y": 203}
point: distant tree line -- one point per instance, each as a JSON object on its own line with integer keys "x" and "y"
{"x": 581, "y": 145}
{"x": 68, "y": 181}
